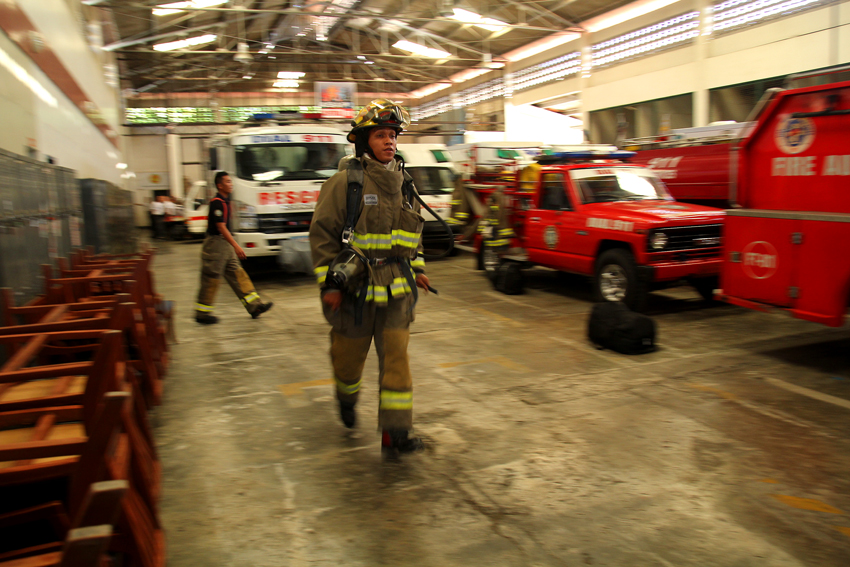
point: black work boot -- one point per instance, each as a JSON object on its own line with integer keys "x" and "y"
{"x": 205, "y": 318}
{"x": 347, "y": 414}
{"x": 261, "y": 308}
{"x": 395, "y": 441}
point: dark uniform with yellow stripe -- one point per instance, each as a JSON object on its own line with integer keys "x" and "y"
{"x": 219, "y": 259}
{"x": 388, "y": 233}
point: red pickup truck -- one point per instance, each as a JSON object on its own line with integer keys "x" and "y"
{"x": 588, "y": 212}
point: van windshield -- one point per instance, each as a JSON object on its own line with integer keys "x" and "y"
{"x": 605, "y": 185}
{"x": 281, "y": 162}
{"x": 432, "y": 180}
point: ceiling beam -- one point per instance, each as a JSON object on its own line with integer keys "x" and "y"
{"x": 342, "y": 16}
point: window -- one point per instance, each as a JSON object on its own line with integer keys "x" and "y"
{"x": 277, "y": 162}
{"x": 507, "y": 154}
{"x": 432, "y": 180}
{"x": 607, "y": 185}
{"x": 440, "y": 156}
{"x": 554, "y": 196}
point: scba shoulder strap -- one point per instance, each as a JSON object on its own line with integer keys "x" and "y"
{"x": 354, "y": 171}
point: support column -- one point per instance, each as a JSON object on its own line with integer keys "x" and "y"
{"x": 175, "y": 164}
{"x": 701, "y": 103}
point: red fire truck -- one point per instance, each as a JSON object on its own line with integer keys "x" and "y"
{"x": 784, "y": 176}
{"x": 588, "y": 212}
{"x": 791, "y": 208}
{"x": 694, "y": 163}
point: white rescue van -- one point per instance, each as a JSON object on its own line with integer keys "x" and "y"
{"x": 434, "y": 175}
{"x": 277, "y": 172}
{"x": 196, "y": 208}
{"x": 479, "y": 158}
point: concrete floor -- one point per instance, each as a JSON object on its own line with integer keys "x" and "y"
{"x": 726, "y": 447}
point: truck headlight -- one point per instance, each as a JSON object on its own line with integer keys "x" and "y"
{"x": 658, "y": 241}
{"x": 247, "y": 218}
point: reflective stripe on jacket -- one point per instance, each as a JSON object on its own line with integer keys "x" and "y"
{"x": 386, "y": 227}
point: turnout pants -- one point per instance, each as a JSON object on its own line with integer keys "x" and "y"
{"x": 389, "y": 326}
{"x": 219, "y": 259}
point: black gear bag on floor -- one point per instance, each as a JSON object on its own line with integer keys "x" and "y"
{"x": 613, "y": 325}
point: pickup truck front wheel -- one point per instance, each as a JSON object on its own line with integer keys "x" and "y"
{"x": 616, "y": 279}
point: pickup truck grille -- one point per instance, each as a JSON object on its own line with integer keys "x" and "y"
{"x": 284, "y": 223}
{"x": 696, "y": 240}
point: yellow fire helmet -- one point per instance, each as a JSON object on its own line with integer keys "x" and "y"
{"x": 380, "y": 112}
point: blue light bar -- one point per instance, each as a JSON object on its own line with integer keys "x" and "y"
{"x": 560, "y": 157}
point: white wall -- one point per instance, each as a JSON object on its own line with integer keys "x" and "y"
{"x": 806, "y": 41}
{"x": 527, "y": 123}
{"x": 50, "y": 120}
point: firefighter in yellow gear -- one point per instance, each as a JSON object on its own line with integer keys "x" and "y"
{"x": 496, "y": 230}
{"x": 387, "y": 236}
{"x": 220, "y": 256}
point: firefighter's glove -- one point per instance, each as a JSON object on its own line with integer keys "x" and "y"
{"x": 332, "y": 298}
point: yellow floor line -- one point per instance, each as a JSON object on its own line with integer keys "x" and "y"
{"x": 723, "y": 394}
{"x": 844, "y": 530}
{"x": 807, "y": 504}
{"x": 295, "y": 388}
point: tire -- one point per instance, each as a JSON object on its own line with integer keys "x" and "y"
{"x": 509, "y": 279}
{"x": 615, "y": 279}
{"x": 706, "y": 287}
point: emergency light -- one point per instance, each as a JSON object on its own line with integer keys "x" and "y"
{"x": 564, "y": 157}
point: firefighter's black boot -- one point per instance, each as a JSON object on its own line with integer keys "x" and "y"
{"x": 395, "y": 441}
{"x": 205, "y": 318}
{"x": 347, "y": 414}
{"x": 262, "y": 308}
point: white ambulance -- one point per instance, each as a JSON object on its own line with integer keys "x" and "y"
{"x": 434, "y": 175}
{"x": 196, "y": 208}
{"x": 277, "y": 168}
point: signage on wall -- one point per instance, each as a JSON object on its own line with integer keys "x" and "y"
{"x": 154, "y": 179}
{"x": 337, "y": 100}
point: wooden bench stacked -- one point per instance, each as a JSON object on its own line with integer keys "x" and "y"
{"x": 96, "y": 429}
{"x": 84, "y": 363}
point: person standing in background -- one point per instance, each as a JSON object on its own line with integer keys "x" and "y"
{"x": 157, "y": 210}
{"x": 170, "y": 212}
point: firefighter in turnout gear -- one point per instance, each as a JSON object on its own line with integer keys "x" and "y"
{"x": 367, "y": 256}
{"x": 495, "y": 228}
{"x": 219, "y": 258}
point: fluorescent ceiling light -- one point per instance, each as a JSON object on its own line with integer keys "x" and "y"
{"x": 541, "y": 45}
{"x": 184, "y": 43}
{"x": 467, "y": 75}
{"x": 362, "y": 57}
{"x": 247, "y": 77}
{"x": 624, "y": 14}
{"x": 429, "y": 90}
{"x": 468, "y": 17}
{"x": 290, "y": 74}
{"x": 418, "y": 49}
{"x": 284, "y": 84}
{"x": 177, "y": 7}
